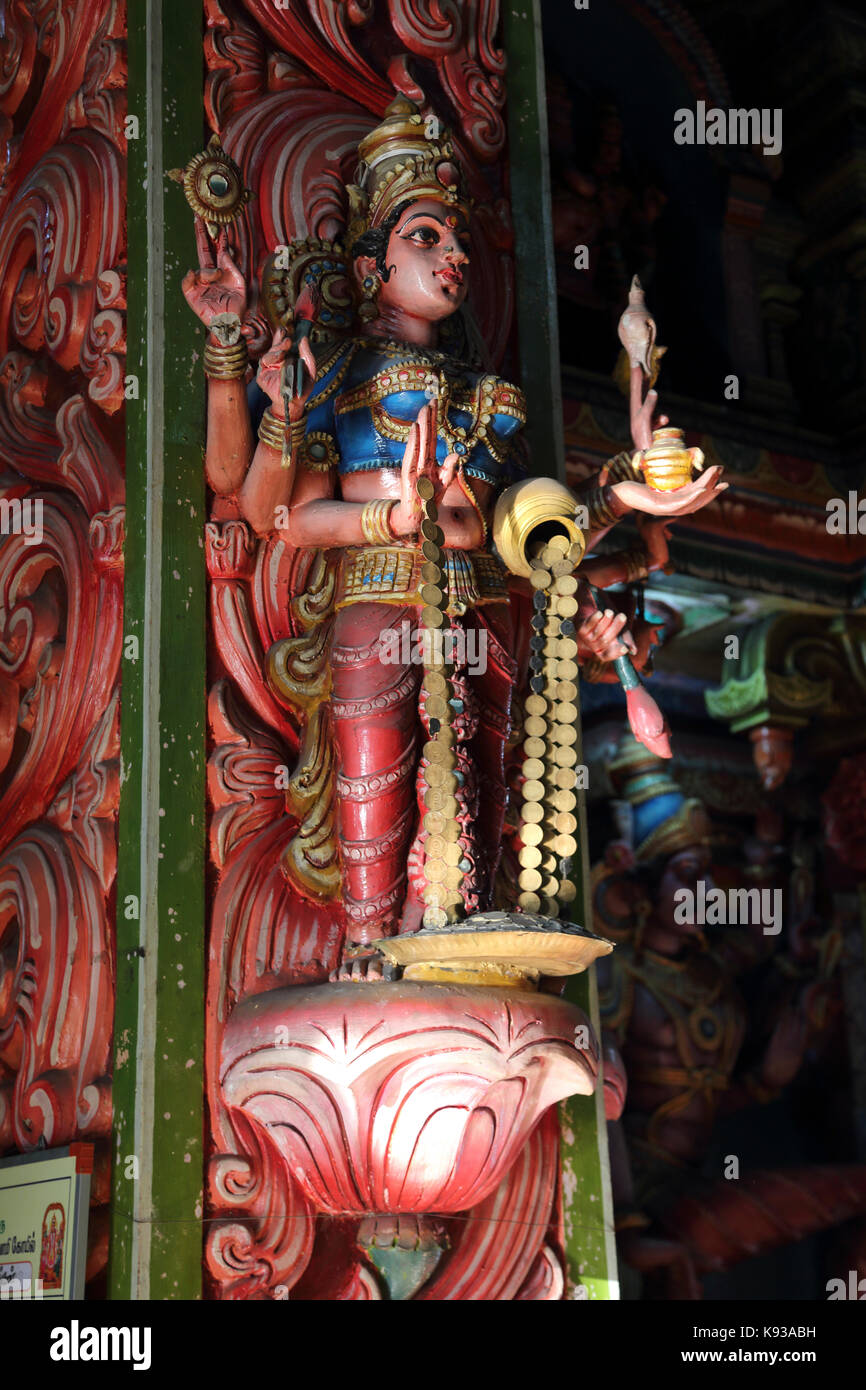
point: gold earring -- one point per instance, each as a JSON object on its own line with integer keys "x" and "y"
{"x": 370, "y": 287}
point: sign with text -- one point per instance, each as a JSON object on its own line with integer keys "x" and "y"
{"x": 44, "y": 1207}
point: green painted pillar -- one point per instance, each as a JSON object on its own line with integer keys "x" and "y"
{"x": 588, "y": 1204}
{"x": 156, "y": 1236}
{"x": 529, "y": 167}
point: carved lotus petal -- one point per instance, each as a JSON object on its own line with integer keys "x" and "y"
{"x": 403, "y": 1097}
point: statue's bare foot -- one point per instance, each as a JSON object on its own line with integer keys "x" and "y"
{"x": 361, "y": 966}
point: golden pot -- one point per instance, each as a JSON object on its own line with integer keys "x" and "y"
{"x": 527, "y": 512}
{"x": 668, "y": 464}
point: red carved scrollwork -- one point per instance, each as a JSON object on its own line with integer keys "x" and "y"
{"x": 62, "y": 346}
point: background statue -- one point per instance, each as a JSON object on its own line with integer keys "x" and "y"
{"x": 709, "y": 1020}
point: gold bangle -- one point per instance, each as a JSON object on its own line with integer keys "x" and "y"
{"x": 598, "y": 502}
{"x": 226, "y": 363}
{"x": 635, "y": 561}
{"x": 375, "y": 526}
{"x": 286, "y": 436}
{"x": 621, "y": 469}
{"x": 272, "y": 430}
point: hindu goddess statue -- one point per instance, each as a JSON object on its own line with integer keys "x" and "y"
{"x": 386, "y": 454}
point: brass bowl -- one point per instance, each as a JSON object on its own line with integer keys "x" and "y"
{"x": 495, "y": 948}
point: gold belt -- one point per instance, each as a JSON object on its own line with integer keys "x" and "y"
{"x": 392, "y": 574}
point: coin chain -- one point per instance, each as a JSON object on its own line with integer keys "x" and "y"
{"x": 444, "y": 864}
{"x": 548, "y": 819}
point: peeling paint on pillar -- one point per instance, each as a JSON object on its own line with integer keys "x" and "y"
{"x": 156, "y": 1233}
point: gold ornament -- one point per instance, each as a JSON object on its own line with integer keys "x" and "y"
{"x": 668, "y": 464}
{"x": 368, "y": 309}
{"x": 213, "y": 186}
{"x": 226, "y": 362}
{"x": 272, "y": 431}
{"x": 374, "y": 521}
{"x": 400, "y": 161}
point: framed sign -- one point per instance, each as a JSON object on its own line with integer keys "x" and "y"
{"x": 44, "y": 1209}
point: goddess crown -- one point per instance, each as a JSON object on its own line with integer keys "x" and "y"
{"x": 400, "y": 161}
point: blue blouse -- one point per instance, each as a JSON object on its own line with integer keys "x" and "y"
{"x": 369, "y": 393}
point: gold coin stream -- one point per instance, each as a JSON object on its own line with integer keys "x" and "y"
{"x": 548, "y": 815}
{"x": 442, "y": 851}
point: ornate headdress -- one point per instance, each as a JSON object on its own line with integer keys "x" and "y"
{"x": 400, "y": 160}
{"x": 661, "y": 820}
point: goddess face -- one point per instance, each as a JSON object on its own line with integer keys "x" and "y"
{"x": 428, "y": 260}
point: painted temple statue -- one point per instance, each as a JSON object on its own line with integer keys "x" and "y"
{"x": 328, "y": 770}
{"x": 433, "y": 608}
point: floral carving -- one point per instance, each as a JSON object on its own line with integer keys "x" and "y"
{"x": 426, "y": 1112}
